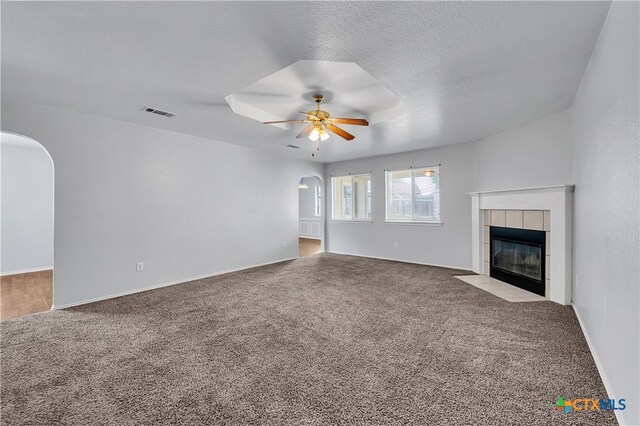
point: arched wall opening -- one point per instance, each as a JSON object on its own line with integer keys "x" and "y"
{"x": 311, "y": 215}
{"x": 26, "y": 225}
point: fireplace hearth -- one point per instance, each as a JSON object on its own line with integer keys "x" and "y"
{"x": 517, "y": 256}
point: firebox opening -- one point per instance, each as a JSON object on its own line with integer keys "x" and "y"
{"x": 517, "y": 256}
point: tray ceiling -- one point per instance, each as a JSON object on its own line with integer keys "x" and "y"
{"x": 348, "y": 91}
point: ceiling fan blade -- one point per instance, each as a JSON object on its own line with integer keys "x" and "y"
{"x": 338, "y": 131}
{"x": 305, "y": 132}
{"x": 352, "y": 121}
{"x": 285, "y": 121}
{"x": 309, "y": 116}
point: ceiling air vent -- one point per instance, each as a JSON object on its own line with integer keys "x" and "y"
{"x": 158, "y": 111}
{"x": 293, "y": 146}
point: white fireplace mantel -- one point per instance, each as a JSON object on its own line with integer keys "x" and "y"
{"x": 559, "y": 201}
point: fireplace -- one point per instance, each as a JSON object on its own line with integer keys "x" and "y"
{"x": 517, "y": 256}
{"x": 556, "y": 203}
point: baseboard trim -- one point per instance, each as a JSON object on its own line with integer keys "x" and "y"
{"x": 153, "y": 287}
{"x": 26, "y": 271}
{"x": 464, "y": 268}
{"x": 594, "y": 355}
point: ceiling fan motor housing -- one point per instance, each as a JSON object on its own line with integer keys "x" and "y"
{"x": 321, "y": 115}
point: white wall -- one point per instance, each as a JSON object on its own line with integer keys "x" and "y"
{"x": 535, "y": 154}
{"x": 185, "y": 206}
{"x": 26, "y": 206}
{"x": 308, "y": 198}
{"x": 606, "y": 228}
{"x": 311, "y": 226}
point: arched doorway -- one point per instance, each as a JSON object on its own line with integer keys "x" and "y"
{"x": 310, "y": 216}
{"x": 26, "y": 252}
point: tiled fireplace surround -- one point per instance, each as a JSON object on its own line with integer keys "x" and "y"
{"x": 547, "y": 209}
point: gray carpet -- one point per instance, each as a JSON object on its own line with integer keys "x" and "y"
{"x": 325, "y": 339}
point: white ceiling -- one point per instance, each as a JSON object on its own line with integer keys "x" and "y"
{"x": 464, "y": 70}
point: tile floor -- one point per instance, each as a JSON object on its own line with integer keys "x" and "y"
{"x": 502, "y": 290}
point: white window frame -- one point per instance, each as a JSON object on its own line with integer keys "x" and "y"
{"x": 413, "y": 208}
{"x": 318, "y": 201}
{"x": 333, "y": 195}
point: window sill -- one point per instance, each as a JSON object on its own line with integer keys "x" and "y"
{"x": 353, "y": 220}
{"x": 414, "y": 222}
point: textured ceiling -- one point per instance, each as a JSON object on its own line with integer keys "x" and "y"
{"x": 464, "y": 70}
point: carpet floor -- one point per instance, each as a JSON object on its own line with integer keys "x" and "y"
{"x": 324, "y": 339}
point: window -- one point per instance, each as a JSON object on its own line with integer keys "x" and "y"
{"x": 351, "y": 197}
{"x": 318, "y": 198}
{"x": 413, "y": 195}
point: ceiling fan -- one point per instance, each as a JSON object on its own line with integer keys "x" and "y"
{"x": 321, "y": 123}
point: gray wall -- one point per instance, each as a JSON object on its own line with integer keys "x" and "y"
{"x": 606, "y": 228}
{"x": 185, "y": 206}
{"x": 26, "y": 206}
{"x": 308, "y": 198}
{"x": 535, "y": 154}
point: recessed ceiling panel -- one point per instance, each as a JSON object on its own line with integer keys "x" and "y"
{"x": 348, "y": 90}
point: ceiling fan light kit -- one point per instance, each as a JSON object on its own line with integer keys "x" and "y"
{"x": 318, "y": 134}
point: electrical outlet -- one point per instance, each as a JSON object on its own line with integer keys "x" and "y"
{"x": 395, "y": 244}
{"x": 139, "y": 266}
{"x": 284, "y": 244}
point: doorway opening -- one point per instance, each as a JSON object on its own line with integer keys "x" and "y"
{"x": 26, "y": 252}
{"x": 310, "y": 216}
